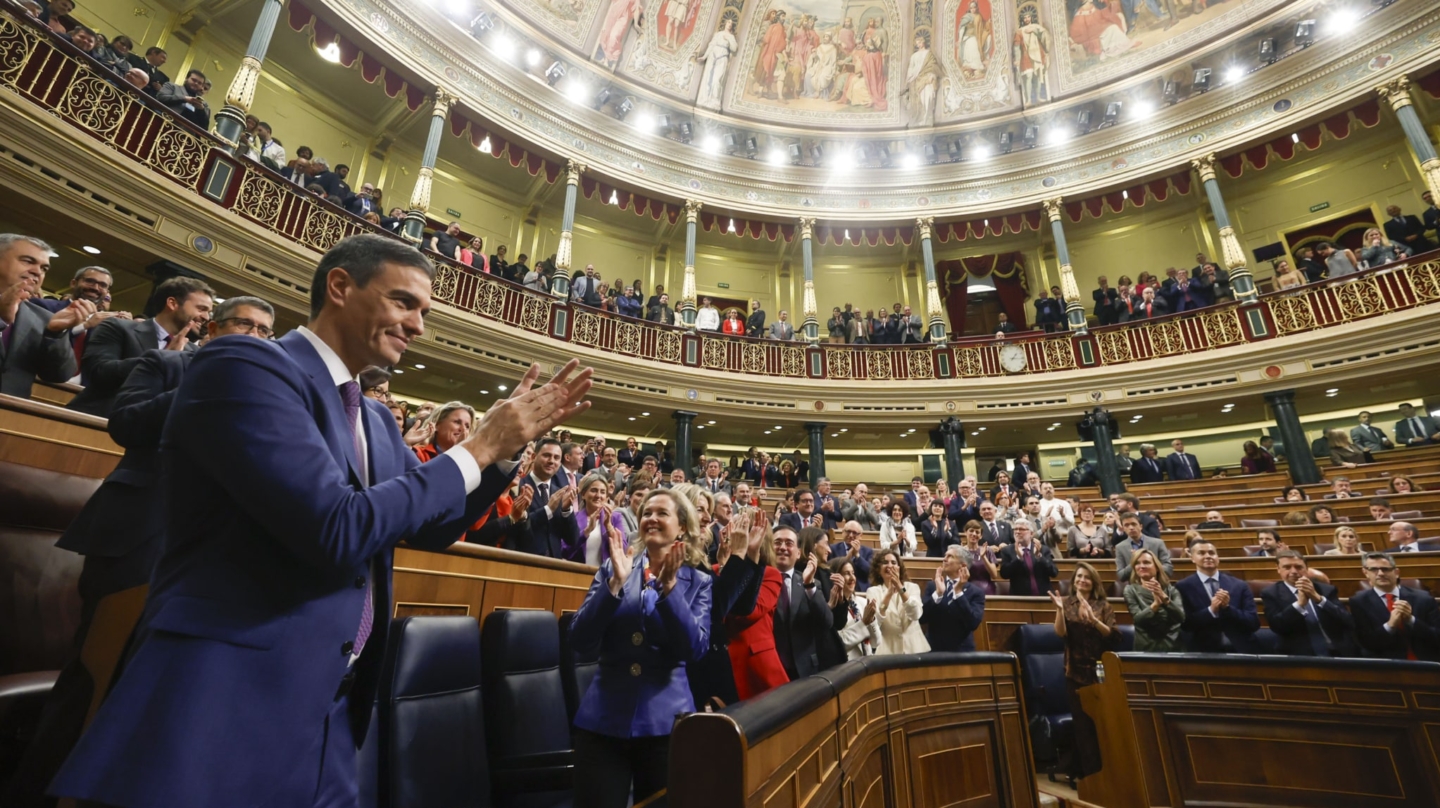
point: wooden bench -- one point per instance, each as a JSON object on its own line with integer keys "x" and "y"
{"x": 33, "y": 433}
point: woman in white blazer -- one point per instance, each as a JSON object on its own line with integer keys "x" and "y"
{"x": 896, "y": 531}
{"x": 854, "y": 615}
{"x": 898, "y": 605}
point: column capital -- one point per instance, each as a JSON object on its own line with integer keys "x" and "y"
{"x": 1280, "y": 396}
{"x": 1068, "y": 288}
{"x": 807, "y": 227}
{"x": 684, "y": 416}
{"x": 444, "y": 100}
{"x": 1052, "y": 208}
{"x": 952, "y": 426}
{"x": 573, "y": 170}
{"x": 1431, "y": 170}
{"x": 1396, "y": 92}
{"x": 1205, "y": 167}
{"x": 692, "y": 210}
{"x": 925, "y": 226}
{"x": 815, "y": 426}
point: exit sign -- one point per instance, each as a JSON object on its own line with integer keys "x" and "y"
{"x": 723, "y": 285}
{"x": 456, "y": 213}
{"x": 1319, "y": 207}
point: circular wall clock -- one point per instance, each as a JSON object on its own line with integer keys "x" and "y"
{"x": 1012, "y": 359}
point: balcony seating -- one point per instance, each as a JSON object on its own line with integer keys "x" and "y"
{"x": 528, "y": 729}
{"x": 432, "y": 728}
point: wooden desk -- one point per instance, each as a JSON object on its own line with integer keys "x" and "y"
{"x": 1200, "y": 729}
{"x": 468, "y": 579}
{"x": 33, "y": 433}
{"x": 903, "y": 730}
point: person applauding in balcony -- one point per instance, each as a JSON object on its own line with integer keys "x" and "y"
{"x": 1378, "y": 250}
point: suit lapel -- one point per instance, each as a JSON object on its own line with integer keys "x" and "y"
{"x": 332, "y": 409}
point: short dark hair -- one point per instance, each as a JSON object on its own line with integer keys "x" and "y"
{"x": 194, "y": 73}
{"x": 363, "y": 256}
{"x": 1288, "y": 553}
{"x": 153, "y": 51}
{"x": 1130, "y": 516}
{"x": 81, "y": 273}
{"x": 568, "y": 447}
{"x": 543, "y": 442}
{"x": 340, "y": 166}
{"x": 128, "y": 42}
{"x": 1268, "y": 531}
{"x": 180, "y": 288}
{"x": 225, "y": 309}
{"x": 1380, "y": 501}
{"x": 373, "y": 376}
{"x": 800, "y": 492}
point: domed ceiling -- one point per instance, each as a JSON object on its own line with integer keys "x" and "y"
{"x": 879, "y": 64}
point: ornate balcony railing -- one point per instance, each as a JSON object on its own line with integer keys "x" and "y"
{"x": 49, "y": 73}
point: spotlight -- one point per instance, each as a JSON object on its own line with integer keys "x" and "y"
{"x": 796, "y": 153}
{"x": 1112, "y": 113}
{"x": 1234, "y": 74}
{"x": 1343, "y": 19}
{"x": 751, "y": 146}
{"x": 483, "y": 22}
{"x": 602, "y": 97}
{"x": 91, "y": 250}
{"x": 981, "y": 151}
{"x": 330, "y": 53}
{"x": 503, "y": 46}
{"x": 624, "y": 108}
{"x": 533, "y": 57}
{"x": 1031, "y": 136}
{"x": 663, "y": 123}
{"x": 953, "y": 147}
{"x": 884, "y": 154}
{"x": 1057, "y": 135}
{"x": 554, "y": 73}
{"x": 1200, "y": 83}
{"x": 928, "y": 152}
{"x": 1267, "y": 50}
{"x": 1170, "y": 92}
{"x": 1082, "y": 121}
{"x": 686, "y": 132}
{"x": 777, "y": 156}
{"x": 1005, "y": 138}
{"x": 910, "y": 161}
{"x": 577, "y": 90}
{"x": 817, "y": 154}
{"x": 728, "y": 143}
{"x": 644, "y": 121}
{"x": 1142, "y": 110}
{"x": 1305, "y": 33}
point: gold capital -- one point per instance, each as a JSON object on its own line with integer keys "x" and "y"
{"x": 924, "y": 225}
{"x": 807, "y": 228}
{"x": 1052, "y": 208}
{"x": 1205, "y": 167}
{"x": 1396, "y": 91}
{"x": 1431, "y": 170}
{"x": 444, "y": 100}
{"x": 692, "y": 210}
{"x": 420, "y": 196}
{"x": 1068, "y": 288}
{"x": 1230, "y": 247}
{"x": 573, "y": 170}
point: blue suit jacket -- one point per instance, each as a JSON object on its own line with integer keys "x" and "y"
{"x": 257, "y": 598}
{"x": 1238, "y": 621}
{"x": 1148, "y": 470}
{"x": 550, "y": 535}
{"x": 1175, "y": 462}
{"x": 641, "y": 686}
{"x": 952, "y": 621}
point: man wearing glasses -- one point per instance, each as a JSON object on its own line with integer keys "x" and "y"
{"x": 1394, "y": 621}
{"x": 120, "y": 531}
{"x": 856, "y": 553}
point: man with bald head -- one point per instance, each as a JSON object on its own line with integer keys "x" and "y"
{"x": 861, "y": 509}
{"x": 1406, "y": 230}
{"x": 1404, "y": 538}
{"x": 855, "y": 552}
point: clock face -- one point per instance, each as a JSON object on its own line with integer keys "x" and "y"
{"x": 1012, "y": 358}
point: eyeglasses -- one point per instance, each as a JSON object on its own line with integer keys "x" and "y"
{"x": 1380, "y": 570}
{"x": 248, "y": 326}
{"x": 852, "y": 533}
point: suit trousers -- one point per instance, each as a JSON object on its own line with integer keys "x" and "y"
{"x": 606, "y": 767}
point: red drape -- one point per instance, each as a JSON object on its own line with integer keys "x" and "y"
{"x": 1006, "y": 271}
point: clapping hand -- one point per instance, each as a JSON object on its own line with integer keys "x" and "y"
{"x": 72, "y": 315}
{"x": 529, "y": 413}
{"x": 811, "y": 565}
{"x": 1087, "y": 615}
{"x": 521, "y": 505}
{"x": 620, "y": 563}
{"x": 421, "y": 432}
{"x": 1057, "y": 599}
{"x": 670, "y": 567}
{"x": 561, "y": 499}
{"x": 869, "y": 611}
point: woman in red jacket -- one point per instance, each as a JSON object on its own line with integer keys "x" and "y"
{"x": 733, "y": 324}
{"x": 752, "y": 637}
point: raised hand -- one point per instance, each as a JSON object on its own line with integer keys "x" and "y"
{"x": 565, "y": 496}
{"x": 939, "y": 581}
{"x": 620, "y": 563}
{"x": 670, "y": 567}
{"x": 529, "y": 413}
{"x": 11, "y": 299}
{"x": 835, "y": 593}
{"x": 869, "y": 612}
{"x": 72, "y": 315}
{"x": 1057, "y": 599}
{"x": 811, "y": 564}
{"x": 521, "y": 505}
{"x": 420, "y": 432}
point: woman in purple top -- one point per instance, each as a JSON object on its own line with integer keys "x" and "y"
{"x": 984, "y": 567}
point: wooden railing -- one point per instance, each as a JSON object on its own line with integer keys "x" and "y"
{"x": 1182, "y": 729}
{"x": 923, "y": 730}
{"x": 54, "y": 76}
{"x": 45, "y": 436}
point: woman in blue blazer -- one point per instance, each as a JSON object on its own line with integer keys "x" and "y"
{"x": 649, "y": 616}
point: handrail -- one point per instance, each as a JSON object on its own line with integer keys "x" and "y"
{"x": 52, "y": 412}
{"x": 54, "y": 76}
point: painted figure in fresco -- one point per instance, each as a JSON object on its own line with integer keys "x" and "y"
{"x": 1099, "y": 29}
{"x": 873, "y": 58}
{"x": 619, "y": 18}
{"x": 717, "y": 59}
{"x": 921, "y": 80}
{"x": 1030, "y": 55}
{"x": 678, "y": 17}
{"x": 820, "y": 73}
{"x": 845, "y": 41}
{"x": 974, "y": 39}
{"x": 772, "y": 48}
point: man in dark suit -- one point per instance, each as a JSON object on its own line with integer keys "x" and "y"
{"x": 120, "y": 532}
{"x": 714, "y": 480}
{"x": 1148, "y": 468}
{"x": 1027, "y": 565}
{"x": 1105, "y": 299}
{"x": 964, "y": 506}
{"x": 364, "y": 202}
{"x": 1431, "y": 215}
{"x": 826, "y": 505}
{"x": 912, "y": 497}
{"x": 802, "y": 513}
{"x": 952, "y": 608}
{"x": 115, "y": 347}
{"x": 1394, "y": 621}
{"x": 1180, "y": 465}
{"x": 32, "y": 339}
{"x": 1406, "y": 230}
{"x": 1218, "y": 607}
{"x": 1369, "y": 437}
{"x": 992, "y": 531}
{"x": 552, "y": 516}
{"x": 755, "y": 323}
{"x": 802, "y": 616}
{"x": 1149, "y": 306}
{"x": 1306, "y": 615}
{"x": 1127, "y": 503}
{"x": 1004, "y": 326}
{"x": 287, "y": 491}
{"x": 1414, "y": 428}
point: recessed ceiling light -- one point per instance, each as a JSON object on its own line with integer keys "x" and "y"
{"x": 1333, "y": 390}
{"x": 399, "y": 372}
{"x": 699, "y": 426}
{"x": 1057, "y": 423}
{"x": 844, "y": 430}
{"x": 1138, "y": 417}
{"x": 777, "y": 428}
{"x": 419, "y": 366}
{"x": 712, "y": 423}
{"x": 632, "y": 417}
{"x": 330, "y": 53}
{"x": 912, "y": 429}
{"x": 982, "y": 429}
{"x": 484, "y": 392}
{"x": 1049, "y": 429}
{"x": 502, "y": 388}
{"x": 834, "y": 434}
{"x": 767, "y": 432}
{"x": 644, "y": 415}
{"x": 92, "y": 250}
{"x": 974, "y": 433}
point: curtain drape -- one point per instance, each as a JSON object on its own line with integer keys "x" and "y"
{"x": 1006, "y": 271}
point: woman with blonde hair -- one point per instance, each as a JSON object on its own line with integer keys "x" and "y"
{"x": 899, "y": 606}
{"x": 1343, "y": 453}
{"x": 1155, "y": 605}
{"x": 1347, "y": 542}
{"x": 1376, "y": 250}
{"x": 447, "y": 425}
{"x": 596, "y": 519}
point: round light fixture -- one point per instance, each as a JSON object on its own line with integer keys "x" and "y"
{"x": 92, "y": 250}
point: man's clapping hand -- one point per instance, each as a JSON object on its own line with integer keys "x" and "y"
{"x": 529, "y": 412}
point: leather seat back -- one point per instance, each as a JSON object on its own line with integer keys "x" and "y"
{"x": 1042, "y": 663}
{"x": 528, "y": 730}
{"x": 433, "y": 728}
{"x": 38, "y": 617}
{"x": 576, "y": 670}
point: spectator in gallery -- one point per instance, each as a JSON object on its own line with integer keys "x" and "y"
{"x": 755, "y": 323}
{"x": 1376, "y": 250}
{"x": 661, "y": 312}
{"x": 1343, "y": 453}
{"x": 1105, "y": 298}
{"x": 836, "y": 326}
{"x": 733, "y": 325}
{"x": 1287, "y": 276}
{"x": 708, "y": 317}
{"x": 782, "y": 329}
{"x": 628, "y": 304}
{"x": 185, "y": 99}
{"x": 1339, "y": 261}
{"x": 1406, "y": 231}
{"x": 474, "y": 255}
{"x": 1415, "y": 428}
{"x": 445, "y": 242}
{"x": 1369, "y": 437}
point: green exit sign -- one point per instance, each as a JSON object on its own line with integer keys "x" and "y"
{"x": 723, "y": 285}
{"x": 456, "y": 213}
{"x": 1319, "y": 207}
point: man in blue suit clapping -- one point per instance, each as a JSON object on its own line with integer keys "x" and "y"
{"x": 258, "y": 655}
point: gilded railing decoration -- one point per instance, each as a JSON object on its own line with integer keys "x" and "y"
{"x": 77, "y": 93}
